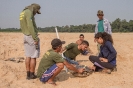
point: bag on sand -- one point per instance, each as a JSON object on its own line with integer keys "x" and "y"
{"x": 87, "y": 71}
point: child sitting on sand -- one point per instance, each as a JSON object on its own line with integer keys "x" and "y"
{"x": 106, "y": 60}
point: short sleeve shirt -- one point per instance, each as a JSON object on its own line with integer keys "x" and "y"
{"x": 72, "y": 51}
{"x": 50, "y": 58}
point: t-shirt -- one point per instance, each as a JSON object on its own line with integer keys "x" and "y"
{"x": 28, "y": 25}
{"x": 72, "y": 51}
{"x": 100, "y": 26}
{"x": 50, "y": 58}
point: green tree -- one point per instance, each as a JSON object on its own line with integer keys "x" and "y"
{"x": 131, "y": 26}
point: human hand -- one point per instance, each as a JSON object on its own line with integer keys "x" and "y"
{"x": 92, "y": 68}
{"x": 80, "y": 70}
{"x": 100, "y": 58}
{"x": 36, "y": 42}
{"x": 103, "y": 59}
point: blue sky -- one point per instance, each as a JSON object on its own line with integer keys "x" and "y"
{"x": 65, "y": 12}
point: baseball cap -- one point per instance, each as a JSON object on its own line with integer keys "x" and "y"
{"x": 99, "y": 12}
{"x": 37, "y": 6}
{"x": 38, "y": 12}
{"x": 56, "y": 42}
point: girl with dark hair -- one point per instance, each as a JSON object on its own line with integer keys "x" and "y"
{"x": 106, "y": 60}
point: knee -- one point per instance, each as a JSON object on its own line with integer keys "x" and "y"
{"x": 90, "y": 58}
{"x": 60, "y": 65}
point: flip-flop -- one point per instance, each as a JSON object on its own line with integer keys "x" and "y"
{"x": 52, "y": 83}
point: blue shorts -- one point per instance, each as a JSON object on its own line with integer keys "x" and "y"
{"x": 48, "y": 73}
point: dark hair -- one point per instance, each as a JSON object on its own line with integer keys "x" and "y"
{"x": 85, "y": 43}
{"x": 54, "y": 48}
{"x": 81, "y": 35}
{"x": 56, "y": 43}
{"x": 105, "y": 36}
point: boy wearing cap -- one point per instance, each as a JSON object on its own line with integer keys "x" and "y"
{"x": 102, "y": 25}
{"x": 52, "y": 63}
{"x": 31, "y": 40}
{"x": 73, "y": 49}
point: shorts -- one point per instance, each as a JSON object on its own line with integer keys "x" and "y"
{"x": 48, "y": 73}
{"x": 31, "y": 50}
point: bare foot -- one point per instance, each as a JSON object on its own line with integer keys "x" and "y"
{"x": 93, "y": 68}
{"x": 52, "y": 83}
{"x": 108, "y": 71}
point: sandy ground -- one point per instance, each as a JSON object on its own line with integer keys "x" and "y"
{"x": 13, "y": 75}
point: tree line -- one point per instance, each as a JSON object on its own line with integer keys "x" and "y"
{"x": 117, "y": 26}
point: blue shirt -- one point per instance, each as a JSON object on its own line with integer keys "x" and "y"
{"x": 107, "y": 51}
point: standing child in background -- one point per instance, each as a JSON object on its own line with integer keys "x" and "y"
{"x": 107, "y": 56}
{"x": 81, "y": 39}
{"x": 102, "y": 25}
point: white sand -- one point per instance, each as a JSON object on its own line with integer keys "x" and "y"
{"x": 13, "y": 75}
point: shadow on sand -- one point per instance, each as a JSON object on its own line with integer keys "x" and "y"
{"x": 63, "y": 76}
{"x": 82, "y": 61}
